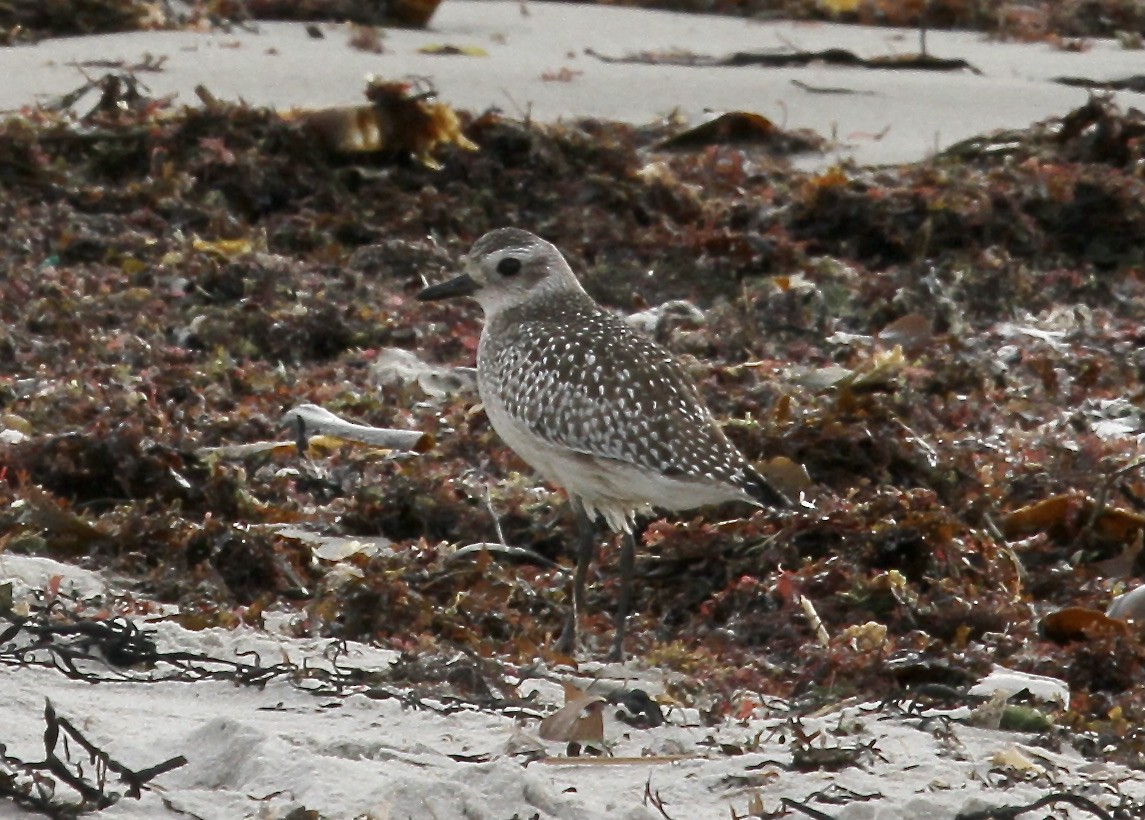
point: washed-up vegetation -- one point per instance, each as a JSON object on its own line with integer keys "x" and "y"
{"x": 952, "y": 351}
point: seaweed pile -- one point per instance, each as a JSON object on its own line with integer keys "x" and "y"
{"x": 954, "y": 351}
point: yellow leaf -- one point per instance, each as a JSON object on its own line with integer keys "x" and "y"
{"x": 130, "y": 265}
{"x": 227, "y": 248}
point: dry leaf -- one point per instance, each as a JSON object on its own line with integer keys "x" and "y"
{"x": 912, "y": 331}
{"x": 822, "y": 378}
{"x": 580, "y": 720}
{"x": 735, "y": 127}
{"x": 1014, "y": 758}
{"x": 1063, "y": 516}
{"x": 786, "y": 475}
{"x": 1075, "y": 623}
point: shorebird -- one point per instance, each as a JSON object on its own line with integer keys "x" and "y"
{"x": 591, "y": 404}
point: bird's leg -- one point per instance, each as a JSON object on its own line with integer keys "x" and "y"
{"x": 586, "y": 546}
{"x": 627, "y": 564}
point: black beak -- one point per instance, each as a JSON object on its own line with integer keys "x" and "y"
{"x": 462, "y": 285}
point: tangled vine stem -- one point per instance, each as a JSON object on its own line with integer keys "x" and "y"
{"x": 33, "y": 784}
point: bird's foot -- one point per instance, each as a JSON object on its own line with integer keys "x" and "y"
{"x": 616, "y": 654}
{"x": 566, "y": 641}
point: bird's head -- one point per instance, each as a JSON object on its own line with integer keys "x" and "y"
{"x": 508, "y": 267}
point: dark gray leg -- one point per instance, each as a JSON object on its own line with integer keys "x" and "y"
{"x": 627, "y": 565}
{"x": 586, "y": 546}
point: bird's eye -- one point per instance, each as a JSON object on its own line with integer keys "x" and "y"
{"x": 509, "y": 266}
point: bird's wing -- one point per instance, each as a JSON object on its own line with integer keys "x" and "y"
{"x": 594, "y": 385}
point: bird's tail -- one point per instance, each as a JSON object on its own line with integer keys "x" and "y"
{"x": 762, "y": 490}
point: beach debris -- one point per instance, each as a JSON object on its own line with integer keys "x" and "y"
{"x": 658, "y": 320}
{"x": 1012, "y": 682}
{"x": 315, "y": 427}
{"x": 1075, "y": 623}
{"x": 564, "y": 74}
{"x": 14, "y": 429}
{"x": 868, "y": 637}
{"x": 1098, "y": 131}
{"x": 524, "y": 745}
{"x": 24, "y": 20}
{"x": 399, "y": 120}
{"x": 741, "y": 128}
{"x": 505, "y": 550}
{"x": 397, "y": 366}
{"x": 89, "y": 772}
{"x": 120, "y": 96}
{"x": 988, "y": 715}
{"x": 306, "y": 420}
{"x": 878, "y": 372}
{"x": 1129, "y": 606}
{"x": 451, "y": 50}
{"x": 1134, "y": 83}
{"x": 635, "y": 707}
{"x": 789, "y": 59}
{"x": 177, "y": 276}
{"x": 814, "y": 621}
{"x": 912, "y": 332}
{"x": 1015, "y": 758}
{"x": 789, "y": 477}
{"x": 1067, "y": 516}
{"x": 63, "y": 529}
{"x": 832, "y": 89}
{"x": 816, "y": 751}
{"x": 580, "y": 722}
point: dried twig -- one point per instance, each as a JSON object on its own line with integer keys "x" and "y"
{"x": 654, "y": 798}
{"x": 26, "y": 785}
{"x": 1007, "y": 812}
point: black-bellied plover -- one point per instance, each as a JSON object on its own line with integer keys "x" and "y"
{"x": 591, "y": 404}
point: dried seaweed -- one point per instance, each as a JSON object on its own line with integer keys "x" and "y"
{"x": 117, "y": 650}
{"x": 1039, "y": 20}
{"x": 832, "y": 56}
{"x": 1006, "y": 812}
{"x": 934, "y": 348}
{"x": 30, "y": 20}
{"x": 36, "y": 785}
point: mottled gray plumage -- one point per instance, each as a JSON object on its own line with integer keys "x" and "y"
{"x": 586, "y": 400}
{"x": 578, "y": 377}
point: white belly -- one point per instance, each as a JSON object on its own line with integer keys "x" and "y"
{"x": 612, "y": 489}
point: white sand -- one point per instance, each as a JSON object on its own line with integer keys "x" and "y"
{"x": 263, "y": 752}
{"x": 281, "y": 66}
